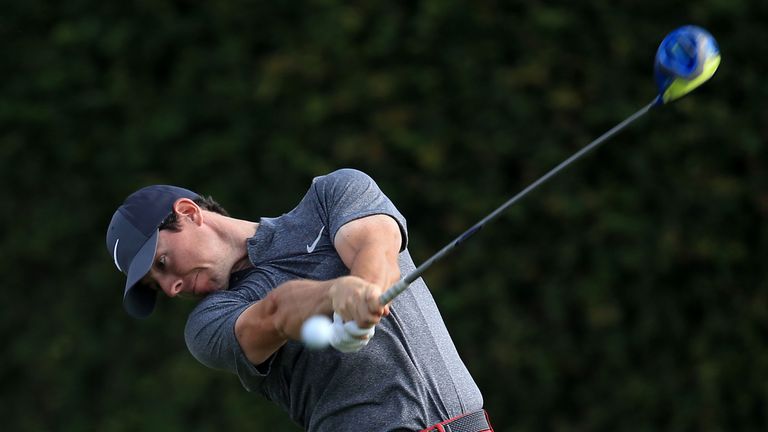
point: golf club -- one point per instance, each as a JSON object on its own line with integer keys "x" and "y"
{"x": 686, "y": 58}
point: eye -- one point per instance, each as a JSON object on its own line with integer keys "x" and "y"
{"x": 160, "y": 263}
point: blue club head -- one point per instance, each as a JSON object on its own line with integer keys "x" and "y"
{"x": 686, "y": 58}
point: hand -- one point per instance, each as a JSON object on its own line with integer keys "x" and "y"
{"x": 356, "y": 300}
{"x": 348, "y": 337}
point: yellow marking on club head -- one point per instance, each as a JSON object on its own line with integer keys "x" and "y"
{"x": 681, "y": 87}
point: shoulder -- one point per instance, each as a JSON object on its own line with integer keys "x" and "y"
{"x": 344, "y": 182}
{"x": 213, "y": 311}
{"x": 347, "y": 173}
{"x": 246, "y": 287}
{"x": 209, "y": 329}
{"x": 210, "y": 325}
{"x": 342, "y": 176}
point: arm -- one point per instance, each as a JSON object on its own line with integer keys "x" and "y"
{"x": 267, "y": 324}
{"x": 368, "y": 247}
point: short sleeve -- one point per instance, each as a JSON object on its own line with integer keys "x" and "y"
{"x": 349, "y": 194}
{"x": 210, "y": 332}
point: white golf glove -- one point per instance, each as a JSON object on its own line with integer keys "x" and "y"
{"x": 346, "y": 337}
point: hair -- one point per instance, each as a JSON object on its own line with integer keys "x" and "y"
{"x": 205, "y": 203}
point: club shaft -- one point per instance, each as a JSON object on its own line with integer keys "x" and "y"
{"x": 401, "y": 285}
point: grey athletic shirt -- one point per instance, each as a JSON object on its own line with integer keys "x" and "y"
{"x": 408, "y": 377}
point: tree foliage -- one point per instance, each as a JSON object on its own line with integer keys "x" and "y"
{"x": 627, "y": 294}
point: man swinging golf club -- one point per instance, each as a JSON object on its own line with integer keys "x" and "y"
{"x": 336, "y": 252}
{"x": 259, "y": 283}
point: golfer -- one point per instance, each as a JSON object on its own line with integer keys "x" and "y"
{"x": 337, "y": 251}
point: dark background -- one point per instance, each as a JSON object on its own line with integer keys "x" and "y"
{"x": 627, "y": 294}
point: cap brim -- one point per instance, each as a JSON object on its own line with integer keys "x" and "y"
{"x": 139, "y": 300}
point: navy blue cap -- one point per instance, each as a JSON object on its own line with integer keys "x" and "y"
{"x": 132, "y": 241}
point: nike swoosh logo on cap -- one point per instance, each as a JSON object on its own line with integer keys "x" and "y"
{"x": 311, "y": 248}
{"x": 114, "y": 255}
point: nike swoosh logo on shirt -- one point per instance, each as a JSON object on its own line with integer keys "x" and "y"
{"x": 311, "y": 248}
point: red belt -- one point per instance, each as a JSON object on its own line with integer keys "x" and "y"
{"x": 476, "y": 421}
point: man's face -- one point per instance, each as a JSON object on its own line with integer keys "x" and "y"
{"x": 190, "y": 261}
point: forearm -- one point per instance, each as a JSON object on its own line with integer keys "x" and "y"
{"x": 377, "y": 264}
{"x": 370, "y": 247}
{"x": 267, "y": 324}
{"x": 295, "y": 301}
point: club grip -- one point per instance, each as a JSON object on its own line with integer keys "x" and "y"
{"x": 393, "y": 292}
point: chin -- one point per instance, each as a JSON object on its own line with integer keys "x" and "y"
{"x": 207, "y": 283}
{"x": 218, "y": 284}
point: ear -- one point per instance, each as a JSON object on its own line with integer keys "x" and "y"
{"x": 185, "y": 208}
{"x": 174, "y": 290}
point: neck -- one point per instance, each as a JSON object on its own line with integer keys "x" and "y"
{"x": 246, "y": 230}
{"x": 235, "y": 233}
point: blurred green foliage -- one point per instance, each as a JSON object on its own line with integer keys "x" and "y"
{"x": 628, "y": 294}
